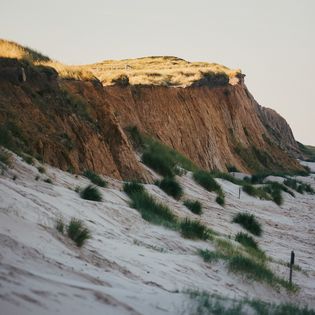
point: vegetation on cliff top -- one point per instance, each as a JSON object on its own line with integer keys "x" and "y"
{"x": 160, "y": 70}
{"x": 163, "y": 71}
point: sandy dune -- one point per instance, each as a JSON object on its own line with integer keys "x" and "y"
{"x": 130, "y": 266}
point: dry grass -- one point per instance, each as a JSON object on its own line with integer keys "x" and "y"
{"x": 164, "y": 70}
{"x": 10, "y": 49}
{"x": 69, "y": 72}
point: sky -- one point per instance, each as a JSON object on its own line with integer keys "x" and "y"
{"x": 272, "y": 41}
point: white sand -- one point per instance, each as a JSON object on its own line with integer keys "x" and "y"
{"x": 131, "y": 266}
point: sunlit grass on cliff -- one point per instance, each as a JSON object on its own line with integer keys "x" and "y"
{"x": 159, "y": 70}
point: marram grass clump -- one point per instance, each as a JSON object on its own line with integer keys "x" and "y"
{"x": 91, "y": 193}
{"x": 150, "y": 210}
{"x": 248, "y": 222}
{"x": 194, "y": 206}
{"x": 95, "y": 178}
{"x": 194, "y": 229}
{"x": 172, "y": 187}
{"x": 78, "y": 232}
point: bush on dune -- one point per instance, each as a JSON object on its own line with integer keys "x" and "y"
{"x": 193, "y": 206}
{"x": 171, "y": 187}
{"x": 91, "y": 193}
{"x": 248, "y": 222}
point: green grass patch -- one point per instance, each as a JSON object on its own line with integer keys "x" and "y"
{"x": 193, "y": 229}
{"x": 194, "y": 206}
{"x": 211, "y": 256}
{"x": 206, "y": 180}
{"x": 257, "y": 271}
{"x": 228, "y": 177}
{"x": 150, "y": 210}
{"x": 248, "y": 222}
{"x": 299, "y": 186}
{"x": 171, "y": 187}
{"x": 220, "y": 200}
{"x": 41, "y": 169}
{"x": 203, "y": 303}
{"x": 257, "y": 192}
{"x": 91, "y": 193}
{"x": 78, "y": 232}
{"x": 246, "y": 240}
{"x": 60, "y": 226}
{"x": 95, "y": 179}
{"x": 158, "y": 156}
{"x": 5, "y": 158}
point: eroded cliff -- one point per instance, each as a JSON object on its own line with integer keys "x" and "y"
{"x": 78, "y": 124}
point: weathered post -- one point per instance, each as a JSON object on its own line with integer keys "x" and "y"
{"x": 239, "y": 193}
{"x": 291, "y": 265}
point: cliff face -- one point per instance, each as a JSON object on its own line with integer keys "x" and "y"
{"x": 64, "y": 123}
{"x": 279, "y": 130}
{"x": 214, "y": 127}
{"x": 79, "y": 125}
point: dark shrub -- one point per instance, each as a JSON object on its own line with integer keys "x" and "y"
{"x": 259, "y": 192}
{"x": 91, "y": 193}
{"x": 136, "y": 137}
{"x": 133, "y": 187}
{"x": 206, "y": 180}
{"x": 232, "y": 169}
{"x": 158, "y": 163}
{"x": 251, "y": 269}
{"x": 193, "y": 229}
{"x": 95, "y": 179}
{"x": 171, "y": 187}
{"x": 60, "y": 226}
{"x": 150, "y": 210}
{"x": 220, "y": 200}
{"x": 211, "y": 256}
{"x": 78, "y": 232}
{"x": 248, "y": 222}
{"x": 5, "y": 157}
{"x": 122, "y": 80}
{"x": 41, "y": 169}
{"x": 246, "y": 240}
{"x": 193, "y": 206}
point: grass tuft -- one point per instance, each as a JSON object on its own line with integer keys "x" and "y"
{"x": 91, "y": 193}
{"x": 220, "y": 200}
{"x": 95, "y": 179}
{"x": 193, "y": 229}
{"x": 194, "y": 206}
{"x": 257, "y": 271}
{"x": 41, "y": 169}
{"x": 158, "y": 156}
{"x": 78, "y": 232}
{"x": 299, "y": 186}
{"x": 211, "y": 256}
{"x": 248, "y": 222}
{"x": 60, "y": 226}
{"x": 150, "y": 210}
{"x": 205, "y": 179}
{"x": 171, "y": 187}
{"x": 5, "y": 158}
{"x": 202, "y": 303}
{"x": 246, "y": 240}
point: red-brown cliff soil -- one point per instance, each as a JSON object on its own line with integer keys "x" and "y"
{"x": 67, "y": 124}
{"x": 80, "y": 124}
{"x": 214, "y": 127}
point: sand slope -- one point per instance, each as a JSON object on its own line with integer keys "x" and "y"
{"x": 130, "y": 266}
